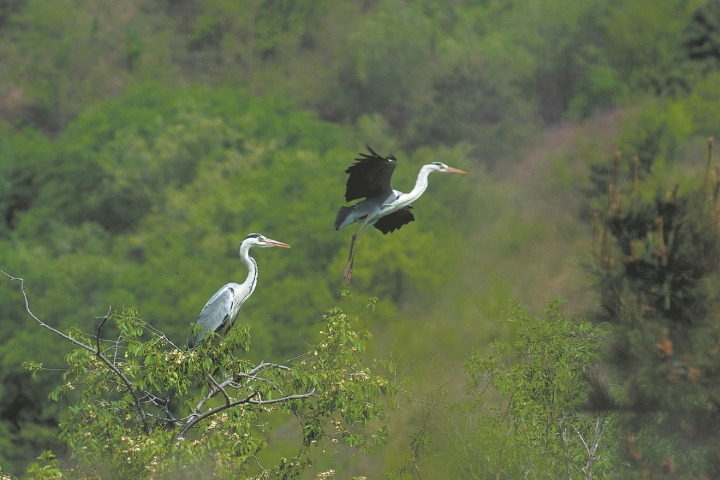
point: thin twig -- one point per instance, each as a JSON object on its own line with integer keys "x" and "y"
{"x": 161, "y": 403}
{"x": 105, "y": 319}
{"x": 592, "y": 448}
{"x": 220, "y": 388}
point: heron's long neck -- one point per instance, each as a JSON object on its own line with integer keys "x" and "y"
{"x": 251, "y": 265}
{"x": 421, "y": 185}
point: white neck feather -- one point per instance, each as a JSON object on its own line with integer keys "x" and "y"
{"x": 421, "y": 185}
{"x": 251, "y": 265}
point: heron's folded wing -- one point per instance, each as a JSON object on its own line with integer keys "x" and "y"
{"x": 213, "y": 315}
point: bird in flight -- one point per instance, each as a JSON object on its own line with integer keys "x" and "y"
{"x": 383, "y": 207}
{"x": 220, "y": 312}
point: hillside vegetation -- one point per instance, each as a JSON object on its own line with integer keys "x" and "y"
{"x": 141, "y": 141}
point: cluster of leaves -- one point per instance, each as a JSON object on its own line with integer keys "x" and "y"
{"x": 143, "y": 408}
{"x": 656, "y": 263}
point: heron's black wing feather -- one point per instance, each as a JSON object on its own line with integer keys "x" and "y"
{"x": 213, "y": 315}
{"x": 392, "y": 222}
{"x": 370, "y": 176}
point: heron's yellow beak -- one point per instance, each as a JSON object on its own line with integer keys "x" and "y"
{"x": 275, "y": 243}
{"x": 455, "y": 170}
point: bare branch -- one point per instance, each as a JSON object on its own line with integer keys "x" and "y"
{"x": 591, "y": 449}
{"x": 128, "y": 384}
{"x": 162, "y": 404}
{"x": 159, "y": 334}
{"x": 197, "y": 417}
{"x": 220, "y": 388}
{"x": 104, "y": 319}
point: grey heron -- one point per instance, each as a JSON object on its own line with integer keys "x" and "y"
{"x": 383, "y": 207}
{"x": 220, "y": 312}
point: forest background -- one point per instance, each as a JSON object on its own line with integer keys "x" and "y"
{"x": 140, "y": 141}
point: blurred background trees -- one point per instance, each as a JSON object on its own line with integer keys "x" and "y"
{"x": 140, "y": 141}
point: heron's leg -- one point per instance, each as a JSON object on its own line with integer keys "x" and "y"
{"x": 348, "y": 268}
{"x": 351, "y": 258}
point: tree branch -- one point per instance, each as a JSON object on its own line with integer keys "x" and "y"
{"x": 220, "y": 388}
{"x": 128, "y": 384}
{"x": 198, "y": 417}
{"x": 100, "y": 327}
{"x": 591, "y": 448}
{"x": 140, "y": 397}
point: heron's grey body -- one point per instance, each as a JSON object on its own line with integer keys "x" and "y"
{"x": 220, "y": 312}
{"x": 383, "y": 207}
{"x": 369, "y": 211}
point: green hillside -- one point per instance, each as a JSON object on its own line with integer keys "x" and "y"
{"x": 140, "y": 142}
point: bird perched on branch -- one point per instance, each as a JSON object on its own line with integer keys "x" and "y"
{"x": 220, "y": 312}
{"x": 383, "y": 207}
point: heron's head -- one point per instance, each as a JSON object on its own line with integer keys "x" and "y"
{"x": 259, "y": 240}
{"x": 442, "y": 168}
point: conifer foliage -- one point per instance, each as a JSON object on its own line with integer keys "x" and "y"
{"x": 657, "y": 265}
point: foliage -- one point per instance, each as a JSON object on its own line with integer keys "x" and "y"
{"x": 437, "y": 74}
{"x": 656, "y": 138}
{"x": 645, "y": 44}
{"x": 656, "y": 261}
{"x": 448, "y": 81}
{"x": 20, "y": 153}
{"x": 142, "y": 408}
{"x": 149, "y": 212}
{"x": 701, "y": 35}
{"x": 523, "y": 415}
{"x": 539, "y": 431}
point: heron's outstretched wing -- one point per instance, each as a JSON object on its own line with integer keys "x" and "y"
{"x": 214, "y": 316}
{"x": 392, "y": 222}
{"x": 370, "y": 176}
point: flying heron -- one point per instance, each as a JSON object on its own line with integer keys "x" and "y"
{"x": 220, "y": 312}
{"x": 383, "y": 207}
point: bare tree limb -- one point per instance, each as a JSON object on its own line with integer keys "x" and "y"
{"x": 220, "y": 388}
{"x": 197, "y": 417}
{"x": 97, "y": 338}
{"x": 592, "y": 447}
{"x": 126, "y": 381}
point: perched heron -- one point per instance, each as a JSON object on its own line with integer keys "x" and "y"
{"x": 220, "y": 312}
{"x": 383, "y": 207}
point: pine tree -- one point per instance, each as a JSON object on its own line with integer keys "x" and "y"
{"x": 657, "y": 263}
